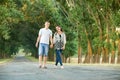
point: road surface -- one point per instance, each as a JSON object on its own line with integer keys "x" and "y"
{"x": 22, "y": 69}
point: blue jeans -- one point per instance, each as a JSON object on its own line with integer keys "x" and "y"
{"x": 58, "y": 57}
{"x": 43, "y": 49}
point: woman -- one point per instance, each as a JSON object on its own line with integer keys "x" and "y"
{"x": 59, "y": 41}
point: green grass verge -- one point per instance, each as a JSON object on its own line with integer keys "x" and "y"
{"x": 75, "y": 64}
{"x": 2, "y": 61}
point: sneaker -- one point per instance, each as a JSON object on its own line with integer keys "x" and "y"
{"x": 62, "y": 67}
{"x": 40, "y": 66}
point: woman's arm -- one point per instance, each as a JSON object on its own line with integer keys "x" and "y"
{"x": 64, "y": 41}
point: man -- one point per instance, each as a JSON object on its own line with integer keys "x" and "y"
{"x": 45, "y": 34}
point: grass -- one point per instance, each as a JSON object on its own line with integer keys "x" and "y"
{"x": 76, "y": 64}
{"x": 2, "y": 61}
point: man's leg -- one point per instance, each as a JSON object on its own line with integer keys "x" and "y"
{"x": 40, "y": 55}
{"x": 40, "y": 61}
{"x": 45, "y": 60}
{"x": 46, "y": 48}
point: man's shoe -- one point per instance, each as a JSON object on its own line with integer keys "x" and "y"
{"x": 40, "y": 66}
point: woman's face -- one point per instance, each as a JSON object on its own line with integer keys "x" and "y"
{"x": 58, "y": 28}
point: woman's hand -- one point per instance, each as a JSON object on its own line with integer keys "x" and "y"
{"x": 63, "y": 47}
{"x": 51, "y": 46}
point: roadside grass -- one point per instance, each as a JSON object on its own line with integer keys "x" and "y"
{"x": 2, "y": 61}
{"x": 93, "y": 64}
{"x": 76, "y": 64}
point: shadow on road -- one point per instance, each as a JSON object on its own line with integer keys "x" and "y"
{"x": 21, "y": 59}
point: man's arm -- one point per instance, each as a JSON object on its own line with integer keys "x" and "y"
{"x": 38, "y": 40}
{"x": 51, "y": 41}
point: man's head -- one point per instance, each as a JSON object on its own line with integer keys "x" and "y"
{"x": 47, "y": 24}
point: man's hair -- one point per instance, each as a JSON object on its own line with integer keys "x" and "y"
{"x": 47, "y": 22}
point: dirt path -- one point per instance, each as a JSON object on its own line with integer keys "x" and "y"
{"x": 23, "y": 69}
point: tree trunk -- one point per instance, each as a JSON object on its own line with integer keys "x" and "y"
{"x": 97, "y": 56}
{"x": 88, "y": 58}
{"x": 63, "y": 58}
{"x": 79, "y": 55}
{"x": 105, "y": 55}
{"x": 98, "y": 23}
{"x": 69, "y": 59}
{"x": 89, "y": 50}
{"x": 118, "y": 51}
{"x": 51, "y": 55}
{"x": 108, "y": 41}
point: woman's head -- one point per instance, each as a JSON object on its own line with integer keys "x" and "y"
{"x": 58, "y": 28}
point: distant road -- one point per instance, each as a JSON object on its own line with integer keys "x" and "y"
{"x": 23, "y": 69}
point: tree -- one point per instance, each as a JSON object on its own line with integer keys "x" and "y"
{"x": 9, "y": 14}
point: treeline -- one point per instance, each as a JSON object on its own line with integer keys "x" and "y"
{"x": 97, "y": 23}
{"x": 20, "y": 21}
{"x": 90, "y": 26}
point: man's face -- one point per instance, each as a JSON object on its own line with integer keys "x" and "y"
{"x": 47, "y": 24}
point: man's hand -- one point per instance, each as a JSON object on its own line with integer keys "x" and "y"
{"x": 36, "y": 45}
{"x": 37, "y": 42}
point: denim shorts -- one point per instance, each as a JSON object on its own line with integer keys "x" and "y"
{"x": 43, "y": 49}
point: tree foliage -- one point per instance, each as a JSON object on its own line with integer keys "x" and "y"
{"x": 89, "y": 25}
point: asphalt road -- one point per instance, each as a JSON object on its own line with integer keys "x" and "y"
{"x": 23, "y": 69}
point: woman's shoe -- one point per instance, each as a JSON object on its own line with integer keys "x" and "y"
{"x": 62, "y": 67}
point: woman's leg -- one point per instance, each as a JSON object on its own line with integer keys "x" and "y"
{"x": 57, "y": 57}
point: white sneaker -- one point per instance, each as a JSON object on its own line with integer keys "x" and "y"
{"x": 62, "y": 67}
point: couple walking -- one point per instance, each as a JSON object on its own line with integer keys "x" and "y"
{"x": 43, "y": 39}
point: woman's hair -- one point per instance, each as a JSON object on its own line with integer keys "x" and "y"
{"x": 60, "y": 28}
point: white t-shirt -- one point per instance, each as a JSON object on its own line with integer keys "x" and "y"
{"x": 45, "y": 35}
